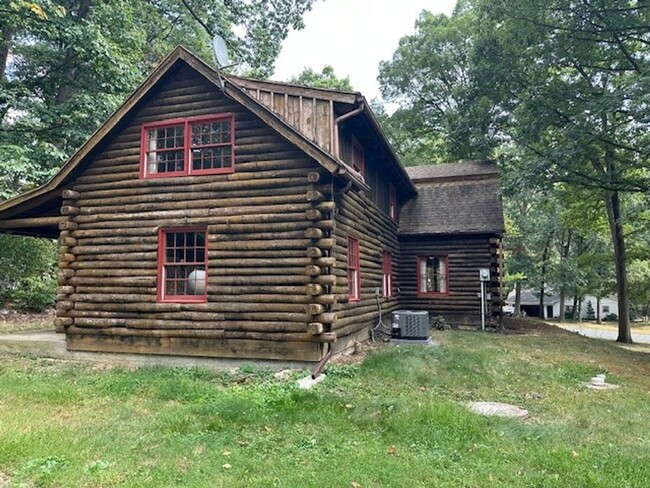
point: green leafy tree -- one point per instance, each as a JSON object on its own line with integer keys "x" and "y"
{"x": 561, "y": 88}
{"x": 326, "y": 78}
{"x": 65, "y": 65}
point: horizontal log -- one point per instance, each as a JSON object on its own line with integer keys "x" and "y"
{"x": 70, "y": 195}
{"x": 324, "y": 224}
{"x": 314, "y": 196}
{"x": 327, "y": 243}
{"x": 315, "y": 328}
{"x": 200, "y": 334}
{"x": 314, "y": 289}
{"x": 314, "y": 177}
{"x": 326, "y": 262}
{"x": 325, "y": 280}
{"x": 314, "y": 252}
{"x": 65, "y": 289}
{"x": 326, "y": 299}
{"x": 30, "y": 222}
{"x": 326, "y": 318}
{"x": 327, "y": 206}
{"x": 313, "y": 233}
{"x": 65, "y": 305}
{"x": 69, "y": 210}
{"x": 68, "y": 225}
{"x": 314, "y": 214}
{"x": 67, "y": 241}
{"x": 312, "y": 270}
{"x": 314, "y": 309}
{"x": 63, "y": 321}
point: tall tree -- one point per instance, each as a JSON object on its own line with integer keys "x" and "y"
{"x": 564, "y": 85}
{"x": 65, "y": 65}
{"x": 326, "y": 78}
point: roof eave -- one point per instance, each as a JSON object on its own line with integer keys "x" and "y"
{"x": 410, "y": 186}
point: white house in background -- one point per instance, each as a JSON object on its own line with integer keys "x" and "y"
{"x": 530, "y": 304}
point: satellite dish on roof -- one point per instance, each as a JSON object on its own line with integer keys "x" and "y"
{"x": 220, "y": 51}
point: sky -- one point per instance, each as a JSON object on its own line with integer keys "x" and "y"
{"x": 353, "y": 36}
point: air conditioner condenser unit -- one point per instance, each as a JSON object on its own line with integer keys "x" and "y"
{"x": 407, "y": 324}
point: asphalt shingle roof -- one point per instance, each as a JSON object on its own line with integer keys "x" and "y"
{"x": 454, "y": 198}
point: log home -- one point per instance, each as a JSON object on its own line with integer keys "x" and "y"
{"x": 228, "y": 217}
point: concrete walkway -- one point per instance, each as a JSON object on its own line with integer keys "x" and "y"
{"x": 603, "y": 332}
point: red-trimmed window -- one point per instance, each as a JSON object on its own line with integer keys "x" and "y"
{"x": 358, "y": 158}
{"x": 393, "y": 209}
{"x": 433, "y": 275}
{"x": 354, "y": 270}
{"x": 387, "y": 273}
{"x": 182, "y": 264}
{"x": 189, "y": 146}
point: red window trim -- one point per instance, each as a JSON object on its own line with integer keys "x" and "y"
{"x": 425, "y": 294}
{"x": 387, "y": 273}
{"x": 354, "y": 264}
{"x": 357, "y": 148}
{"x": 186, "y": 122}
{"x": 393, "y": 209}
{"x": 160, "y": 294}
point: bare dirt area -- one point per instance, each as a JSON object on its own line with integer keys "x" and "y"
{"x": 16, "y": 321}
{"x": 526, "y": 325}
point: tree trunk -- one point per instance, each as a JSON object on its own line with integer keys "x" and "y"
{"x": 517, "y": 312}
{"x": 542, "y": 312}
{"x": 566, "y": 247}
{"x": 613, "y": 204}
{"x": 579, "y": 312}
{"x": 5, "y": 45}
{"x": 575, "y": 306}
{"x": 599, "y": 319}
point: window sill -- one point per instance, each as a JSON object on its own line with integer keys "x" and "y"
{"x": 201, "y": 299}
{"x": 184, "y": 174}
{"x": 433, "y": 295}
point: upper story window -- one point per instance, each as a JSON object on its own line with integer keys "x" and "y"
{"x": 387, "y": 273}
{"x": 433, "y": 275}
{"x": 393, "y": 209}
{"x": 358, "y": 158}
{"x": 182, "y": 264}
{"x": 354, "y": 270}
{"x": 189, "y": 146}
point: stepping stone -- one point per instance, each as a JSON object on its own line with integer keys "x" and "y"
{"x": 491, "y": 409}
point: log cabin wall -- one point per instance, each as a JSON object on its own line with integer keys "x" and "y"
{"x": 359, "y": 217}
{"x": 466, "y": 254}
{"x": 258, "y": 293}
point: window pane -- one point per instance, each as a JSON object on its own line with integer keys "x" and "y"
{"x": 211, "y": 158}
{"x": 207, "y": 133}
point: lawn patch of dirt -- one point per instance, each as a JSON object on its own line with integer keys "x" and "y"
{"x": 16, "y": 321}
{"x": 526, "y": 325}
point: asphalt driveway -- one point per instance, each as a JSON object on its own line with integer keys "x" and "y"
{"x": 605, "y": 332}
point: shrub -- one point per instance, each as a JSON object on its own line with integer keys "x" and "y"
{"x": 35, "y": 294}
{"x": 611, "y": 317}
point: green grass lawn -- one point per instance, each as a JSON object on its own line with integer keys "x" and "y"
{"x": 397, "y": 420}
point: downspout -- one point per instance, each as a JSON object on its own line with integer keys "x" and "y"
{"x": 340, "y": 119}
{"x": 330, "y": 349}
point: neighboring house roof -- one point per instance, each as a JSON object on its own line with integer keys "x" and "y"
{"x": 48, "y": 196}
{"x": 454, "y": 198}
{"x": 530, "y": 297}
